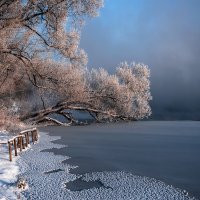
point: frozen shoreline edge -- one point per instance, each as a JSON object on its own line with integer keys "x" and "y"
{"x": 46, "y": 161}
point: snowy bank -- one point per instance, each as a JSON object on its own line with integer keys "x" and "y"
{"x": 8, "y": 171}
{"x": 48, "y": 178}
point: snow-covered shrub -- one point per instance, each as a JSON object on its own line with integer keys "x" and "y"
{"x": 10, "y": 122}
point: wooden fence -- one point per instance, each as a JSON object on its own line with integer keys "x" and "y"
{"x": 21, "y": 141}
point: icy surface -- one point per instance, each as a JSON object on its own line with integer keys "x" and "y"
{"x": 35, "y": 164}
{"x": 8, "y": 170}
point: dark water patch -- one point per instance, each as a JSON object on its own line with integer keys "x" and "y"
{"x": 60, "y": 151}
{"x": 85, "y": 167}
{"x": 49, "y": 150}
{"x": 53, "y": 171}
{"x": 80, "y": 184}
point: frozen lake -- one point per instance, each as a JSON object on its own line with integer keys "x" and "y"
{"x": 167, "y": 151}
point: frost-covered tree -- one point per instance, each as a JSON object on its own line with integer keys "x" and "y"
{"x": 43, "y": 71}
{"x": 124, "y": 95}
{"x": 136, "y": 80}
{"x": 37, "y": 30}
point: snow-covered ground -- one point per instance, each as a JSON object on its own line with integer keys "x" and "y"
{"x": 8, "y": 171}
{"x": 47, "y": 178}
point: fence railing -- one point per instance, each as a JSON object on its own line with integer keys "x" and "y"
{"x": 21, "y": 141}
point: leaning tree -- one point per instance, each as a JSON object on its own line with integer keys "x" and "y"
{"x": 43, "y": 71}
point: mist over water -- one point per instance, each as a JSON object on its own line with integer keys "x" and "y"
{"x": 162, "y": 34}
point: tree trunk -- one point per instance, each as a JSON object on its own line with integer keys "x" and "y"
{"x": 62, "y": 108}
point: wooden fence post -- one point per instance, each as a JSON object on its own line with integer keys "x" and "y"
{"x": 36, "y": 134}
{"x": 28, "y": 137}
{"x": 22, "y": 139}
{"x": 15, "y": 146}
{"x": 20, "y": 143}
{"x": 10, "y": 150}
{"x": 32, "y": 134}
{"x": 25, "y": 137}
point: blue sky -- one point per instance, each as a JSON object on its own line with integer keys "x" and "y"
{"x": 164, "y": 34}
